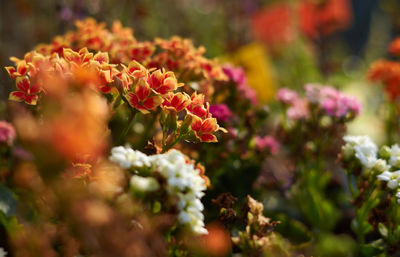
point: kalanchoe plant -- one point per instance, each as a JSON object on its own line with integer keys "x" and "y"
{"x": 309, "y": 127}
{"x": 374, "y": 184}
{"x": 172, "y": 175}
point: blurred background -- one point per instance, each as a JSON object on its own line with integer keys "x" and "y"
{"x": 279, "y": 43}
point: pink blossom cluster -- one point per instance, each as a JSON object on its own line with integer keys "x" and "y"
{"x": 267, "y": 143}
{"x": 238, "y": 76}
{"x": 221, "y": 112}
{"x": 330, "y": 100}
{"x": 7, "y": 133}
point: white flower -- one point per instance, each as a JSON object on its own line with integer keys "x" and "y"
{"x": 381, "y": 165}
{"x": 3, "y": 253}
{"x": 392, "y": 178}
{"x": 364, "y": 148}
{"x": 127, "y": 157}
{"x": 398, "y": 196}
{"x": 144, "y": 184}
{"x": 183, "y": 181}
{"x": 394, "y": 159}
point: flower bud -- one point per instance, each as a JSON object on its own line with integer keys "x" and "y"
{"x": 385, "y": 152}
{"x": 381, "y": 166}
{"x": 347, "y": 152}
{"x": 184, "y": 128}
{"x": 144, "y": 184}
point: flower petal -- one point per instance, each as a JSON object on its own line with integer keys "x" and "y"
{"x": 31, "y": 99}
{"x": 209, "y": 138}
{"x": 17, "y": 96}
{"x": 23, "y": 84}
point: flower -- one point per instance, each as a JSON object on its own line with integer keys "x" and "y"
{"x": 381, "y": 166}
{"x": 332, "y": 101}
{"x": 392, "y": 178}
{"x": 3, "y": 253}
{"x": 126, "y": 157}
{"x": 267, "y": 143}
{"x": 238, "y": 76}
{"x": 144, "y": 99}
{"x": 163, "y": 82}
{"x": 287, "y": 96}
{"x": 184, "y": 180}
{"x": 175, "y": 102}
{"x": 298, "y": 110}
{"x": 364, "y": 148}
{"x": 144, "y": 184}
{"x": 221, "y": 112}
{"x": 394, "y": 159}
{"x": 7, "y": 133}
{"x": 27, "y": 92}
{"x": 205, "y": 129}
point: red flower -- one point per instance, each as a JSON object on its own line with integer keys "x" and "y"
{"x": 394, "y": 47}
{"x": 27, "y": 92}
{"x": 163, "y": 82}
{"x": 136, "y": 70}
{"x": 144, "y": 99}
{"x": 22, "y": 69}
{"x": 197, "y": 107}
{"x": 176, "y": 102}
{"x": 204, "y": 129}
{"x": 78, "y": 58}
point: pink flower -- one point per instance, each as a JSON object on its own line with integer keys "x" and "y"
{"x": 238, "y": 76}
{"x": 287, "y": 96}
{"x": 7, "y": 133}
{"x": 332, "y": 101}
{"x": 267, "y": 143}
{"x": 221, "y": 112}
{"x": 298, "y": 110}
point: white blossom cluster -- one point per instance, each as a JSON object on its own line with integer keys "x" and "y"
{"x": 365, "y": 150}
{"x": 183, "y": 180}
{"x": 126, "y": 157}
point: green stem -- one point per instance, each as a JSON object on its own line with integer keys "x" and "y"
{"x": 148, "y": 129}
{"x": 167, "y": 147}
{"x": 131, "y": 121}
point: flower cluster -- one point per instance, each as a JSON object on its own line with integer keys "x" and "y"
{"x": 183, "y": 180}
{"x": 143, "y": 89}
{"x": 388, "y": 72}
{"x": 37, "y": 73}
{"x": 384, "y": 164}
{"x": 7, "y": 133}
{"x": 174, "y": 54}
{"x": 237, "y": 76}
{"x": 326, "y": 99}
{"x": 267, "y": 143}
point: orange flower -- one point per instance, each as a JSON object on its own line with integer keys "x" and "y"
{"x": 175, "y": 102}
{"x": 22, "y": 69}
{"x": 196, "y": 106}
{"x": 394, "y": 47}
{"x": 77, "y": 58}
{"x": 144, "y": 99}
{"x": 26, "y": 91}
{"x": 135, "y": 70}
{"x": 205, "y": 129}
{"x": 163, "y": 82}
{"x": 388, "y": 72}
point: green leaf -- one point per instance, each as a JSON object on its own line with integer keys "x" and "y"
{"x": 383, "y": 230}
{"x": 372, "y": 249}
